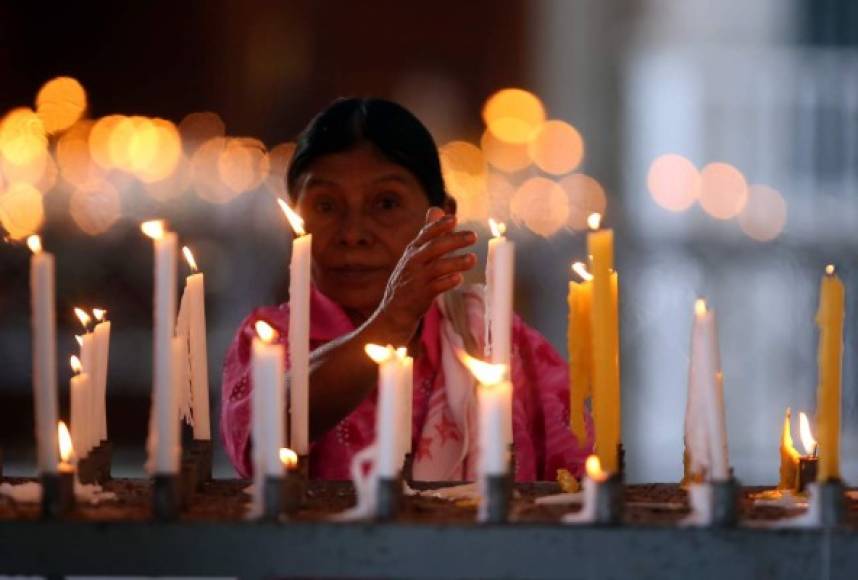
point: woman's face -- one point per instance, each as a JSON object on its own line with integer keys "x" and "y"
{"x": 362, "y": 210}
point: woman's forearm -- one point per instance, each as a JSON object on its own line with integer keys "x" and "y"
{"x": 342, "y": 375}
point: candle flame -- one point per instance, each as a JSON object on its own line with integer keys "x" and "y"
{"x": 288, "y": 458}
{"x": 75, "y": 364}
{"x": 807, "y": 440}
{"x": 487, "y": 374}
{"x": 155, "y": 229}
{"x": 99, "y": 314}
{"x": 34, "y": 242}
{"x": 829, "y": 269}
{"x": 402, "y": 352}
{"x": 594, "y": 469}
{"x": 66, "y": 447}
{"x": 700, "y": 307}
{"x": 594, "y": 220}
{"x": 189, "y": 258}
{"x": 580, "y": 269}
{"x": 82, "y": 316}
{"x": 378, "y": 353}
{"x": 79, "y": 339}
{"x": 265, "y": 332}
{"x": 498, "y": 228}
{"x": 786, "y": 435}
{"x": 295, "y": 220}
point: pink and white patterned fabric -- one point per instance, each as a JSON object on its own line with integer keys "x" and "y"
{"x": 444, "y": 417}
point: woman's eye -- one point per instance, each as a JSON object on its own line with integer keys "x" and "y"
{"x": 388, "y": 202}
{"x": 325, "y": 205}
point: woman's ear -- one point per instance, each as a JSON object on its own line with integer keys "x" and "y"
{"x": 449, "y": 205}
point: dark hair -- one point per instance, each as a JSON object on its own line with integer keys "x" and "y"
{"x": 391, "y": 128}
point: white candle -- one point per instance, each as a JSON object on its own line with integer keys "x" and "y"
{"x": 299, "y": 334}
{"x": 166, "y": 452}
{"x": 267, "y": 402}
{"x": 706, "y": 382}
{"x": 407, "y": 377}
{"x": 388, "y": 420}
{"x": 492, "y": 395}
{"x": 89, "y": 364}
{"x": 195, "y": 300}
{"x": 102, "y": 342}
{"x": 500, "y": 266}
{"x": 79, "y": 404}
{"x": 44, "y": 355}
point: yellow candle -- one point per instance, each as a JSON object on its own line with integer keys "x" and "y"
{"x": 606, "y": 360}
{"x": 789, "y": 457}
{"x": 580, "y": 351}
{"x": 829, "y": 319}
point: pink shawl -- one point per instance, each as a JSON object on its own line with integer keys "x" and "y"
{"x": 444, "y": 416}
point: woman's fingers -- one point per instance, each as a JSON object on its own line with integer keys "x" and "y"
{"x": 444, "y": 244}
{"x": 450, "y": 265}
{"x": 445, "y": 283}
{"x": 434, "y": 228}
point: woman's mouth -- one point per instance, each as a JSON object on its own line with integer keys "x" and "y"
{"x": 358, "y": 272}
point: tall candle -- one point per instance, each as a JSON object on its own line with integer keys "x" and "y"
{"x": 407, "y": 370}
{"x": 492, "y": 393}
{"x": 829, "y": 319}
{"x": 580, "y": 350}
{"x": 44, "y": 354}
{"x": 166, "y": 452}
{"x": 706, "y": 383}
{"x": 89, "y": 363}
{"x": 79, "y": 389}
{"x": 388, "y": 412}
{"x": 299, "y": 333}
{"x": 268, "y": 410}
{"x": 194, "y": 298}
{"x": 102, "y": 342}
{"x": 606, "y": 350}
{"x": 500, "y": 266}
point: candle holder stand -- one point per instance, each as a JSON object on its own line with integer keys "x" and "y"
{"x": 295, "y": 485}
{"x": 609, "y": 501}
{"x": 513, "y": 463}
{"x": 188, "y": 478}
{"x": 273, "y": 497}
{"x": 407, "y": 469}
{"x": 806, "y": 473}
{"x": 201, "y": 451}
{"x": 57, "y": 494}
{"x": 832, "y": 507}
{"x": 621, "y": 461}
{"x": 388, "y": 498}
{"x": 498, "y": 497}
{"x": 725, "y": 503}
{"x": 166, "y": 497}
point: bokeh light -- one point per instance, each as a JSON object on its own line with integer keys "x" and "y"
{"x": 513, "y": 115}
{"x": 556, "y": 147}
{"x": 465, "y": 176}
{"x": 242, "y": 164}
{"x": 198, "y": 128}
{"x": 500, "y": 192}
{"x": 172, "y": 186}
{"x": 278, "y": 165}
{"x": 509, "y": 157}
{"x": 542, "y": 205}
{"x": 586, "y": 196}
{"x": 74, "y": 156}
{"x": 100, "y": 138}
{"x": 205, "y": 173}
{"x": 723, "y": 190}
{"x": 95, "y": 208}
{"x": 673, "y": 182}
{"x": 60, "y": 103}
{"x": 40, "y": 171}
{"x": 765, "y": 214}
{"x": 21, "y": 210}
{"x": 22, "y": 136}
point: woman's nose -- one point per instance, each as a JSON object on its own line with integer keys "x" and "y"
{"x": 354, "y": 230}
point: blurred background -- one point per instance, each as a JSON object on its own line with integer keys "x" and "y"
{"x": 720, "y": 140}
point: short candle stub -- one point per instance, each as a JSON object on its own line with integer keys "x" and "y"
{"x": 273, "y": 495}
{"x": 806, "y": 475}
{"x": 609, "y": 501}
{"x": 57, "y": 494}
{"x": 388, "y": 498}
{"x": 165, "y": 497}
{"x": 498, "y": 490}
{"x": 725, "y": 503}
{"x": 95, "y": 467}
{"x": 831, "y": 503}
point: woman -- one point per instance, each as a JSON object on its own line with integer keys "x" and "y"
{"x": 387, "y": 269}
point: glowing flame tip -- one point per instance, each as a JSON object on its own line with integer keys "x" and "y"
{"x": 498, "y": 228}
{"x": 378, "y": 353}
{"x": 829, "y": 269}
{"x": 580, "y": 269}
{"x": 288, "y": 458}
{"x": 66, "y": 447}
{"x": 99, "y": 314}
{"x": 265, "y": 331}
{"x": 594, "y": 221}
{"x": 82, "y": 316}
{"x": 594, "y": 468}
{"x": 807, "y": 440}
{"x": 700, "y": 307}
{"x": 189, "y": 257}
{"x": 295, "y": 220}
{"x": 74, "y": 361}
{"x": 34, "y": 242}
{"x": 486, "y": 373}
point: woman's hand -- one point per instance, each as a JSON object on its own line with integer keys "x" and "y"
{"x": 427, "y": 268}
